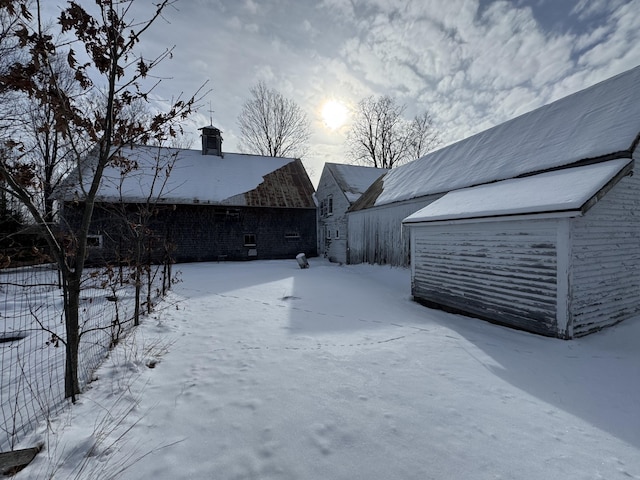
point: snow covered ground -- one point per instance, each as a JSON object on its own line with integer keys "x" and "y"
{"x": 262, "y": 370}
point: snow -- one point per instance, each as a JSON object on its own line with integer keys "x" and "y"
{"x": 562, "y": 190}
{"x": 193, "y": 178}
{"x": 354, "y": 180}
{"x": 597, "y": 121}
{"x": 264, "y": 370}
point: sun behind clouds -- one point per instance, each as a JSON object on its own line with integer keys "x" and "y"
{"x": 334, "y": 114}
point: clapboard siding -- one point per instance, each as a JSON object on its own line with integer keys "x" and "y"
{"x": 605, "y": 275}
{"x": 332, "y": 227}
{"x": 376, "y": 235}
{"x": 502, "y": 271}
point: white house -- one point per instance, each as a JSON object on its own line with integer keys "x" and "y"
{"x": 595, "y": 123}
{"x": 534, "y": 223}
{"x": 339, "y": 187}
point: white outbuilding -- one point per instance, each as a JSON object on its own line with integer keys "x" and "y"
{"x": 534, "y": 223}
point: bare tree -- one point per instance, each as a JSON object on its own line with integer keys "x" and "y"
{"x": 273, "y": 125}
{"x": 10, "y": 52}
{"x": 47, "y": 149}
{"x": 382, "y": 138}
{"x": 423, "y": 136}
{"x": 115, "y": 70}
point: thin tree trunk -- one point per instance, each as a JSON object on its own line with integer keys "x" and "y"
{"x": 72, "y": 309}
{"x": 138, "y": 282}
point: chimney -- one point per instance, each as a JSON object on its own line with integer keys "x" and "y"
{"x": 211, "y": 141}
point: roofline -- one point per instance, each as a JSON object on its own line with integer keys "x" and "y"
{"x": 496, "y": 218}
{"x": 627, "y": 170}
{"x": 171, "y": 202}
{"x": 578, "y": 163}
{"x": 330, "y": 170}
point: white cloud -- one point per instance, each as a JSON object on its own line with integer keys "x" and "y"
{"x": 470, "y": 67}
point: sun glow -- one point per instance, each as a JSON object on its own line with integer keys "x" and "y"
{"x": 334, "y": 114}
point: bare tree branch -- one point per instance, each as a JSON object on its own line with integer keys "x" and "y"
{"x": 273, "y": 125}
{"x": 382, "y": 138}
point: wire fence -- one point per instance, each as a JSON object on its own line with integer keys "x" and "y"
{"x": 32, "y": 329}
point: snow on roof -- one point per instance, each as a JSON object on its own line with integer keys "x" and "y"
{"x": 354, "y": 180}
{"x": 560, "y": 190}
{"x": 193, "y": 177}
{"x": 600, "y": 120}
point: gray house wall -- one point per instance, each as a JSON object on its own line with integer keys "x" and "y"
{"x": 503, "y": 271}
{"x": 193, "y": 233}
{"x": 605, "y": 270}
{"x": 332, "y": 231}
{"x": 376, "y": 234}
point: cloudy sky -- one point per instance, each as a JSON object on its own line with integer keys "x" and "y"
{"x": 470, "y": 63}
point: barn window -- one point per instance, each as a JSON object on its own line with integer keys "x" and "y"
{"x": 94, "y": 241}
{"x": 249, "y": 240}
{"x": 292, "y": 235}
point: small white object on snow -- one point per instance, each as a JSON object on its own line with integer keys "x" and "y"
{"x": 302, "y": 260}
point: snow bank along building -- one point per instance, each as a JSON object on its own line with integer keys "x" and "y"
{"x": 339, "y": 187}
{"x": 534, "y": 223}
{"x": 208, "y": 204}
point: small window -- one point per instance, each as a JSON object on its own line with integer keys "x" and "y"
{"x": 330, "y": 205}
{"x": 94, "y": 241}
{"x": 327, "y": 232}
{"x": 249, "y": 240}
{"x": 337, "y": 233}
{"x": 292, "y": 235}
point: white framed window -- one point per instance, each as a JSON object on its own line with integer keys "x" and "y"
{"x": 94, "y": 241}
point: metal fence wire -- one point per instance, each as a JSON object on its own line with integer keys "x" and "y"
{"x": 32, "y": 352}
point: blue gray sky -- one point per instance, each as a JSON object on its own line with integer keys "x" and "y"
{"x": 470, "y": 63}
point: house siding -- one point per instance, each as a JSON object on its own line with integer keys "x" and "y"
{"x": 331, "y": 245}
{"x": 505, "y": 272}
{"x": 605, "y": 274}
{"x": 205, "y": 233}
{"x": 376, "y": 234}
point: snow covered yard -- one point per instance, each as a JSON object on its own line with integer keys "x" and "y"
{"x": 262, "y": 370}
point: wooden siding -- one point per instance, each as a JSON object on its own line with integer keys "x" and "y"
{"x": 205, "y": 233}
{"x": 335, "y": 249}
{"x": 376, "y": 235}
{"x": 605, "y": 275}
{"x": 501, "y": 271}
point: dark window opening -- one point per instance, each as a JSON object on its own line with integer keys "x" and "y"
{"x": 94, "y": 241}
{"x": 249, "y": 240}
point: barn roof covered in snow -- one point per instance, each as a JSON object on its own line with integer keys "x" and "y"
{"x": 188, "y": 177}
{"x": 566, "y": 191}
{"x": 354, "y": 180}
{"x": 599, "y": 122}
